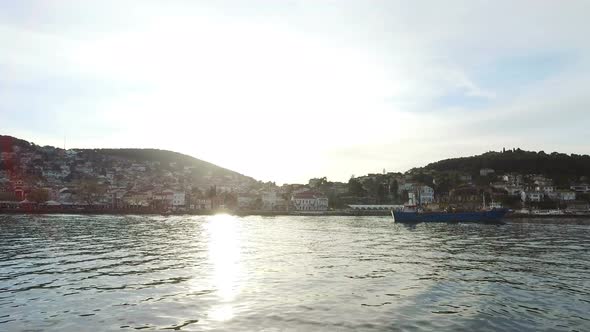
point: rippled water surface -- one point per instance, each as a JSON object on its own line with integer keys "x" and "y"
{"x": 223, "y": 273}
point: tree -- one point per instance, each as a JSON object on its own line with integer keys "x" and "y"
{"x": 231, "y": 200}
{"x": 335, "y": 202}
{"x": 356, "y": 188}
{"x": 512, "y": 202}
{"x": 527, "y": 203}
{"x": 287, "y": 194}
{"x": 212, "y": 192}
{"x": 519, "y": 161}
{"x": 444, "y": 184}
{"x": 393, "y": 188}
{"x": 548, "y": 203}
{"x": 424, "y": 178}
{"x": 91, "y": 191}
{"x": 561, "y": 181}
{"x": 196, "y": 192}
{"x": 258, "y": 204}
{"x": 318, "y": 182}
{"x": 584, "y": 197}
{"x": 484, "y": 180}
{"x": 405, "y": 196}
{"x": 372, "y": 186}
{"x": 381, "y": 194}
{"x": 38, "y": 195}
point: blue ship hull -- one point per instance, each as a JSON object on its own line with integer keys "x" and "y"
{"x": 492, "y": 216}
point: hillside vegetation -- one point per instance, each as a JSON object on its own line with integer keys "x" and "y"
{"x": 519, "y": 161}
{"x": 164, "y": 157}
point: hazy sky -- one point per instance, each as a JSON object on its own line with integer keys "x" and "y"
{"x": 288, "y": 90}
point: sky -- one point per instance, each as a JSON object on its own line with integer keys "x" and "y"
{"x": 289, "y": 90}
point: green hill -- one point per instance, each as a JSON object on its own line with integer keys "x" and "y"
{"x": 519, "y": 161}
{"x": 164, "y": 157}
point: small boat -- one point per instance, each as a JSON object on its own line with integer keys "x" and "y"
{"x": 490, "y": 216}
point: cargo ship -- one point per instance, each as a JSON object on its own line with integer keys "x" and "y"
{"x": 489, "y": 216}
{"x": 414, "y": 213}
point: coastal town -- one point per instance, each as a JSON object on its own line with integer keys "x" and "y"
{"x": 49, "y": 179}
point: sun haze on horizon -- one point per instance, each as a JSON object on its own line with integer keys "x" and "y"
{"x": 286, "y": 91}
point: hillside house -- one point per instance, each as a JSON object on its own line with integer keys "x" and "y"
{"x": 486, "y": 171}
{"x": 532, "y": 196}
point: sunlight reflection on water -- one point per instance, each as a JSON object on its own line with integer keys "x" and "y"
{"x": 224, "y": 256}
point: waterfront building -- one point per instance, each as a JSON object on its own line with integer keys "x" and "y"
{"x": 200, "y": 204}
{"x": 136, "y": 199}
{"x": 162, "y": 199}
{"x": 466, "y": 196}
{"x": 178, "y": 199}
{"x": 64, "y": 195}
{"x": 310, "y": 201}
{"x": 565, "y": 195}
{"x": 117, "y": 195}
{"x": 247, "y": 201}
{"x": 19, "y": 189}
{"x": 495, "y": 205}
{"x": 377, "y": 207}
{"x": 271, "y": 201}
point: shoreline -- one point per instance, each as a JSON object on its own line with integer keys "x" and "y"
{"x": 340, "y": 213}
